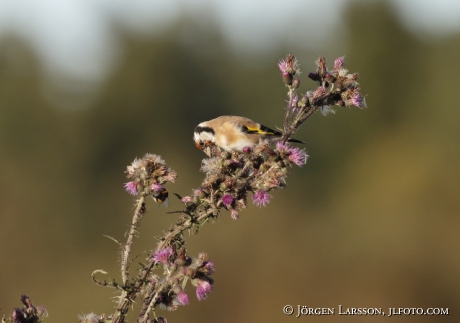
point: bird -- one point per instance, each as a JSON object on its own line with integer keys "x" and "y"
{"x": 233, "y": 133}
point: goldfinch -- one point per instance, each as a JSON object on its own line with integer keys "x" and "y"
{"x": 233, "y": 133}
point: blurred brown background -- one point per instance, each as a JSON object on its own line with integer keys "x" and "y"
{"x": 370, "y": 221}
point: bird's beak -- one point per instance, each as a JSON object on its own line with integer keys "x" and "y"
{"x": 207, "y": 150}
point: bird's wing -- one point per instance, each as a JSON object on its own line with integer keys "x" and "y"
{"x": 261, "y": 130}
{"x": 248, "y": 126}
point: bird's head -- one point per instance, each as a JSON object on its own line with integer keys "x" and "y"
{"x": 204, "y": 138}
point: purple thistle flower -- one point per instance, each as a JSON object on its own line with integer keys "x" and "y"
{"x": 163, "y": 255}
{"x": 186, "y": 199}
{"x": 227, "y": 200}
{"x": 357, "y": 100}
{"x": 182, "y": 297}
{"x": 203, "y": 289}
{"x": 261, "y": 198}
{"x": 298, "y": 156}
{"x": 338, "y": 63}
{"x": 157, "y": 187}
{"x": 208, "y": 266}
{"x": 18, "y": 315}
{"x": 131, "y": 188}
{"x": 234, "y": 214}
{"x": 283, "y": 66}
{"x": 294, "y": 101}
{"x": 286, "y": 71}
{"x": 247, "y": 149}
{"x": 282, "y": 147}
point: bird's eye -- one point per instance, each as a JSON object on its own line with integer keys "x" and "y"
{"x": 199, "y": 145}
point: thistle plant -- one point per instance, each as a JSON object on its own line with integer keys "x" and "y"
{"x": 231, "y": 179}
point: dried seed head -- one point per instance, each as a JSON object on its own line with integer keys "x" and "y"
{"x": 88, "y": 318}
{"x": 321, "y": 63}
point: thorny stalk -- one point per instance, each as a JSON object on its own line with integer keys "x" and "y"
{"x": 126, "y": 250}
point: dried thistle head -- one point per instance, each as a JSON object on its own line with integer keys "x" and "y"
{"x": 88, "y": 318}
{"x": 148, "y": 175}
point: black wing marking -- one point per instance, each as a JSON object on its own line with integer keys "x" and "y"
{"x": 262, "y": 130}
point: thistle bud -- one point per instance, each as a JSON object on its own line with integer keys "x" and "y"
{"x": 287, "y": 78}
{"x": 319, "y": 93}
{"x": 321, "y": 62}
{"x": 291, "y": 64}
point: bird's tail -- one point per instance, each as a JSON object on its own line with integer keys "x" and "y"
{"x": 295, "y": 140}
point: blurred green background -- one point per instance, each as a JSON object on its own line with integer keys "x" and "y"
{"x": 370, "y": 221}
